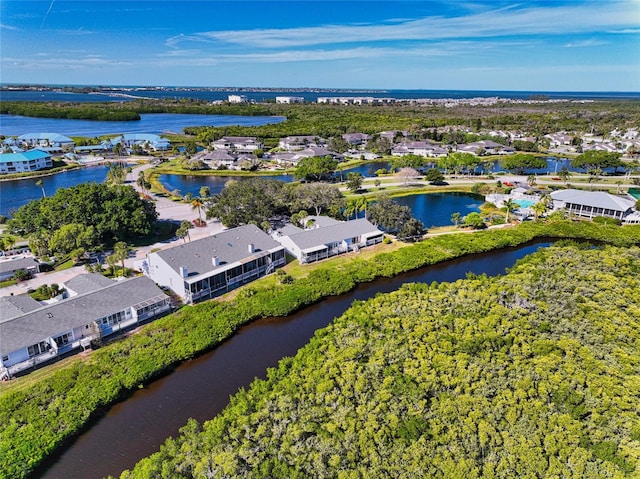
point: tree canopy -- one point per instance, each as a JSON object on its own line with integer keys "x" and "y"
{"x": 519, "y": 162}
{"x": 597, "y": 160}
{"x": 394, "y": 218}
{"x": 315, "y": 168}
{"x": 531, "y": 374}
{"x": 114, "y": 212}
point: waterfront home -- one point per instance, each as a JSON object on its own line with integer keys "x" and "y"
{"x": 31, "y": 160}
{"x": 588, "y": 204}
{"x": 238, "y": 144}
{"x": 50, "y": 142}
{"x": 213, "y": 265}
{"x": 299, "y": 142}
{"x": 9, "y": 267}
{"x": 393, "y": 134}
{"x": 144, "y": 140}
{"x": 485, "y": 147}
{"x": 319, "y": 152}
{"x": 327, "y": 237}
{"x": 420, "y": 148}
{"x": 32, "y": 332}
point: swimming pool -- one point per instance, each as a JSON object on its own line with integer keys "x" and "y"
{"x": 524, "y": 203}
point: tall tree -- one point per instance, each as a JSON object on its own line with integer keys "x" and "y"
{"x": 354, "y": 181}
{"x": 509, "y": 206}
{"x": 315, "y": 168}
{"x": 121, "y": 253}
{"x": 196, "y": 205}
{"x": 40, "y": 183}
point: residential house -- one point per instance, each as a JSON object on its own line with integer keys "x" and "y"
{"x": 31, "y": 160}
{"x": 316, "y": 151}
{"x": 50, "y": 142}
{"x": 32, "y": 332}
{"x": 9, "y": 267}
{"x": 295, "y": 143}
{"x": 357, "y": 140}
{"x": 327, "y": 238}
{"x": 588, "y": 204}
{"x": 144, "y": 140}
{"x": 420, "y": 148}
{"x": 485, "y": 147}
{"x": 213, "y": 265}
{"x": 238, "y": 144}
{"x": 559, "y": 139}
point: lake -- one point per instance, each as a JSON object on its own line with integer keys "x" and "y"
{"x": 15, "y": 193}
{"x": 435, "y": 209}
{"x": 200, "y": 388}
{"x": 154, "y": 123}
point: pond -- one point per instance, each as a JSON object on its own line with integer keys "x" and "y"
{"x": 435, "y": 209}
{"x": 200, "y": 388}
{"x": 192, "y": 183}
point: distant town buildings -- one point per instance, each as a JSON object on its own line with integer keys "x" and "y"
{"x": 237, "y": 99}
{"x": 289, "y": 99}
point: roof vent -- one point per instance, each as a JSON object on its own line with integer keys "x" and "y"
{"x": 215, "y": 261}
{"x": 184, "y": 272}
{"x": 251, "y": 247}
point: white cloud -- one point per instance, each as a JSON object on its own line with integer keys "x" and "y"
{"x": 9, "y": 27}
{"x": 585, "y": 43}
{"x": 508, "y": 21}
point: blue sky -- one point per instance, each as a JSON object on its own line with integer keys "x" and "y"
{"x": 468, "y": 45}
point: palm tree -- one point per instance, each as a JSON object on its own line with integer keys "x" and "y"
{"x": 532, "y": 180}
{"x": 197, "y": 204}
{"x": 41, "y": 185}
{"x": 142, "y": 182}
{"x": 8, "y": 242}
{"x": 539, "y": 209}
{"x": 509, "y": 205}
{"x": 351, "y": 207}
{"x": 121, "y": 252}
{"x": 361, "y": 203}
{"x": 564, "y": 175}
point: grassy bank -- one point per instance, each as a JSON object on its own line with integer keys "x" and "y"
{"x": 63, "y": 402}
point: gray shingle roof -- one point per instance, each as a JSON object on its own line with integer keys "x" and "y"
{"x": 596, "y": 199}
{"x": 229, "y": 246}
{"x": 85, "y": 283}
{"x": 51, "y": 320}
{"x": 331, "y": 234}
{"x": 16, "y": 264}
{"x": 12, "y": 306}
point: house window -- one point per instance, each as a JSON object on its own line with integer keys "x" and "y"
{"x": 63, "y": 339}
{"x": 5, "y": 358}
{"x": 39, "y": 348}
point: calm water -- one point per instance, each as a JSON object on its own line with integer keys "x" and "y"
{"x": 15, "y": 193}
{"x": 192, "y": 184}
{"x": 310, "y": 95}
{"x": 201, "y": 388}
{"x": 153, "y": 123}
{"x": 435, "y": 209}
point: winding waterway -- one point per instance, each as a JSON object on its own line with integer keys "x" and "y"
{"x": 201, "y": 388}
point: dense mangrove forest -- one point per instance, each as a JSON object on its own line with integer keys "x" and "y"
{"x": 532, "y": 374}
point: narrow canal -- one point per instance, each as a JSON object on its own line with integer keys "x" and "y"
{"x": 201, "y": 388}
